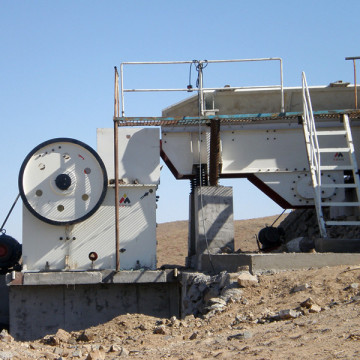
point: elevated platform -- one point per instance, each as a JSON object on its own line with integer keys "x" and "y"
{"x": 231, "y": 119}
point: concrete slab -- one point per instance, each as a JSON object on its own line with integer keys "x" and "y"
{"x": 131, "y": 277}
{"x": 337, "y": 245}
{"x": 91, "y": 277}
{"x": 285, "y": 261}
{"x": 62, "y": 278}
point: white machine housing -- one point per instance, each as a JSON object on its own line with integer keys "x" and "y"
{"x": 59, "y": 247}
{"x": 274, "y": 152}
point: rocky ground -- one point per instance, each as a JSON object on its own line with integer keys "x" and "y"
{"x": 303, "y": 314}
{"x": 307, "y": 314}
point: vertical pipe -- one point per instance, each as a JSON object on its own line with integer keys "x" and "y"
{"x": 201, "y": 94}
{"x": 116, "y": 170}
{"x": 355, "y": 83}
{"x": 214, "y": 152}
{"x": 282, "y": 87}
{"x": 122, "y": 89}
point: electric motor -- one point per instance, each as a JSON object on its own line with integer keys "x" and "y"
{"x": 10, "y": 252}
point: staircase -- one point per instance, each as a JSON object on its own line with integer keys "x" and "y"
{"x": 318, "y": 163}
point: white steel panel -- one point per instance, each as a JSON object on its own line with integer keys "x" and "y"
{"x": 296, "y": 188}
{"x": 182, "y": 149}
{"x": 253, "y": 151}
{"x": 139, "y": 154}
{"x": 52, "y": 247}
{"x": 254, "y": 148}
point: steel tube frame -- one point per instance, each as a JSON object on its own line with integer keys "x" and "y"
{"x": 116, "y": 170}
{"x": 200, "y": 90}
{"x": 354, "y": 58}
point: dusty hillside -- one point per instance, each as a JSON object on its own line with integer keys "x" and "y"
{"x": 173, "y": 237}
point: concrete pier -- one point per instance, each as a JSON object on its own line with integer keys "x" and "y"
{"x": 78, "y": 300}
{"x": 4, "y": 302}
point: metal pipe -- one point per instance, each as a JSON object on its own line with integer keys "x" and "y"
{"x": 191, "y": 61}
{"x": 354, "y": 58}
{"x": 355, "y": 84}
{"x": 122, "y": 89}
{"x": 282, "y": 107}
{"x": 9, "y": 213}
{"x": 200, "y": 92}
{"x": 116, "y": 170}
{"x": 207, "y": 89}
{"x": 282, "y": 87}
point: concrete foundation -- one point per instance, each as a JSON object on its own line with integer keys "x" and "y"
{"x": 4, "y": 302}
{"x": 75, "y": 301}
{"x": 337, "y": 245}
{"x": 259, "y": 263}
{"x": 41, "y": 303}
{"x": 213, "y": 222}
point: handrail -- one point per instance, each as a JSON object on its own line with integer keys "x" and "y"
{"x": 313, "y": 151}
{"x": 200, "y": 89}
{"x": 310, "y": 124}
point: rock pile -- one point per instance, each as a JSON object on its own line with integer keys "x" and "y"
{"x": 205, "y": 295}
{"x": 303, "y": 226}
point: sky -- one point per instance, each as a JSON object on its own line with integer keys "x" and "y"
{"x": 57, "y": 63}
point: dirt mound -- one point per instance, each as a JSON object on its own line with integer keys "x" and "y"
{"x": 173, "y": 238}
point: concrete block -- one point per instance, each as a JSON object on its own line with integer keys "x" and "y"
{"x": 4, "y": 301}
{"x": 285, "y": 261}
{"x": 130, "y": 277}
{"x": 81, "y": 306}
{"x": 337, "y": 245}
{"x": 214, "y": 222}
{"x": 62, "y": 278}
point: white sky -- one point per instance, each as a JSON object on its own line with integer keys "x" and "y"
{"x": 57, "y": 60}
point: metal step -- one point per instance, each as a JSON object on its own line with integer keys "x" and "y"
{"x": 336, "y": 167}
{"x": 339, "y": 222}
{"x": 331, "y": 132}
{"x": 334, "y": 150}
{"x": 337, "y": 203}
{"x": 334, "y": 185}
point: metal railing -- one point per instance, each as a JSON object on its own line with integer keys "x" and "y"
{"x": 309, "y": 122}
{"x": 354, "y": 58}
{"x": 200, "y": 65}
{"x": 313, "y": 151}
